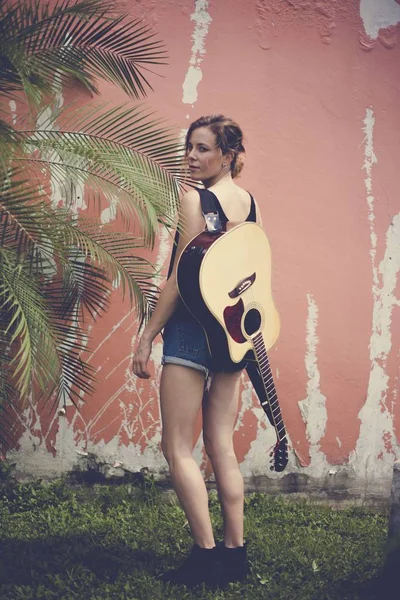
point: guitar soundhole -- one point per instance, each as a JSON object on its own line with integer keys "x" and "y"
{"x": 252, "y": 321}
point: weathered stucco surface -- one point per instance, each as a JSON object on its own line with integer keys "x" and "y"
{"x": 314, "y": 85}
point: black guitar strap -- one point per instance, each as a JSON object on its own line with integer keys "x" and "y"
{"x": 212, "y": 218}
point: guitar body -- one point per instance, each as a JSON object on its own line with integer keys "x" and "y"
{"x": 210, "y": 267}
{"x": 188, "y": 279}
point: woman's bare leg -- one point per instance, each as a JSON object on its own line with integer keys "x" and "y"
{"x": 219, "y": 417}
{"x": 181, "y": 394}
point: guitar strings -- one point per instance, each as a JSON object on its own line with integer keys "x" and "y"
{"x": 248, "y": 297}
{"x": 254, "y": 305}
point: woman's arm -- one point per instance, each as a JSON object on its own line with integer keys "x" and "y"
{"x": 191, "y": 224}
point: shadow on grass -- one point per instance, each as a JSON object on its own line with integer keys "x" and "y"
{"x": 385, "y": 585}
{"x": 30, "y": 563}
{"x": 25, "y": 562}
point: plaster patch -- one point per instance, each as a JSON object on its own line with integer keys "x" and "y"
{"x": 13, "y": 109}
{"x": 109, "y": 213}
{"x": 377, "y": 436}
{"x": 312, "y": 408}
{"x": 257, "y": 460}
{"x": 32, "y": 458}
{"x": 369, "y": 161}
{"x": 194, "y": 74}
{"x": 378, "y": 15}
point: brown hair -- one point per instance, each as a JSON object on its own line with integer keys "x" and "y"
{"x": 228, "y": 134}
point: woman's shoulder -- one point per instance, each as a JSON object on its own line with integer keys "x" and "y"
{"x": 190, "y": 206}
{"x": 190, "y": 196}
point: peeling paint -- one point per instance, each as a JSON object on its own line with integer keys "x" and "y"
{"x": 109, "y": 213}
{"x": 377, "y": 438}
{"x": 313, "y": 409}
{"x": 274, "y": 14}
{"x": 121, "y": 423}
{"x": 13, "y": 109}
{"x": 194, "y": 74}
{"x": 378, "y": 15}
{"x": 369, "y": 161}
{"x": 257, "y": 458}
{"x": 33, "y": 457}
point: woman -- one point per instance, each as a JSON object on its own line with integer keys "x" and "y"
{"x": 214, "y": 151}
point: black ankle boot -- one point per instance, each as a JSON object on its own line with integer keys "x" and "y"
{"x": 197, "y": 568}
{"x": 232, "y": 563}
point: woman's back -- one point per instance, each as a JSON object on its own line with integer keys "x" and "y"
{"x": 234, "y": 200}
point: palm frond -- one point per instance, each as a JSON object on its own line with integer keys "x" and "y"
{"x": 89, "y": 255}
{"x": 116, "y": 252}
{"x": 55, "y": 267}
{"x": 27, "y": 221}
{"x": 77, "y": 41}
{"x": 8, "y": 393}
{"x": 44, "y": 348}
{"x": 78, "y": 287}
{"x": 27, "y": 325}
{"x": 140, "y": 171}
{"x": 75, "y": 376}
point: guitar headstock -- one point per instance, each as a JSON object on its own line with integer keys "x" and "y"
{"x": 280, "y": 456}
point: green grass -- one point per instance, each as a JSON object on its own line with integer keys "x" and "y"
{"x": 111, "y": 542}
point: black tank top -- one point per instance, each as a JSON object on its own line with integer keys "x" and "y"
{"x": 224, "y": 219}
{"x": 252, "y": 216}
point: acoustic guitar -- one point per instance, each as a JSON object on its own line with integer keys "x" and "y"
{"x": 224, "y": 279}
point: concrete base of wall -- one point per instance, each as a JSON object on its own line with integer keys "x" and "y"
{"x": 337, "y": 489}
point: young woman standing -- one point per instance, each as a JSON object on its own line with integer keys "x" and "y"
{"x": 214, "y": 150}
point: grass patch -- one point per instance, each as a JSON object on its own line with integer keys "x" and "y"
{"x": 110, "y": 542}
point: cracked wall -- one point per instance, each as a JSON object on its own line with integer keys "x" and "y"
{"x": 314, "y": 85}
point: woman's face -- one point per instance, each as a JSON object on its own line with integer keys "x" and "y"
{"x": 205, "y": 158}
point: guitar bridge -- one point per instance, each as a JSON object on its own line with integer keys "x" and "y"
{"x": 242, "y": 286}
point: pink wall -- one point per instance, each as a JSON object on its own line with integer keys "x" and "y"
{"x": 315, "y": 87}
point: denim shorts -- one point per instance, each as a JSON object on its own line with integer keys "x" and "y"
{"x": 185, "y": 343}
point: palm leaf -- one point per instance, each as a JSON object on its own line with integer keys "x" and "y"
{"x": 27, "y": 325}
{"x": 45, "y": 237}
{"x": 8, "y": 393}
{"x": 54, "y": 268}
{"x": 44, "y": 347}
{"x": 116, "y": 252}
{"x": 140, "y": 171}
{"x": 75, "y": 41}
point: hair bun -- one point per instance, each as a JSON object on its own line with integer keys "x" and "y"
{"x": 237, "y": 164}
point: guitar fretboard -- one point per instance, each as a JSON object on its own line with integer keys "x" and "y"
{"x": 269, "y": 386}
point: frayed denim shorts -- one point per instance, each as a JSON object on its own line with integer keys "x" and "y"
{"x": 185, "y": 343}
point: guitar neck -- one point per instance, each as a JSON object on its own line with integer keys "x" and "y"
{"x": 269, "y": 385}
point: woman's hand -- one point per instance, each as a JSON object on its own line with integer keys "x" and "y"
{"x": 140, "y": 359}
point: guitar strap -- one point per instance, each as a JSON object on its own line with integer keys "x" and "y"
{"x": 214, "y": 224}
